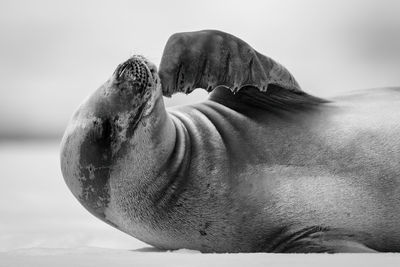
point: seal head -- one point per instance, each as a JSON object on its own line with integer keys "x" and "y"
{"x": 102, "y": 128}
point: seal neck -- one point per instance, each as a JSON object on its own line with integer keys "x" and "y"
{"x": 159, "y": 161}
{"x": 174, "y": 172}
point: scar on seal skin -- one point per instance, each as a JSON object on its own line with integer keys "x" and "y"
{"x": 261, "y": 166}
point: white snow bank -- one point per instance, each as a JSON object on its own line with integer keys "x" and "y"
{"x": 89, "y": 256}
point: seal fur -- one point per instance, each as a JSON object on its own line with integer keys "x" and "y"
{"x": 260, "y": 166}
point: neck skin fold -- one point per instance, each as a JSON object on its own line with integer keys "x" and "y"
{"x": 152, "y": 172}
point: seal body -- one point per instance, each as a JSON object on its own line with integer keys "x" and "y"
{"x": 230, "y": 175}
{"x": 335, "y": 166}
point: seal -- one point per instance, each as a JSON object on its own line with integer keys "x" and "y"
{"x": 261, "y": 166}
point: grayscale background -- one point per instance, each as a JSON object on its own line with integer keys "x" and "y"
{"x": 53, "y": 54}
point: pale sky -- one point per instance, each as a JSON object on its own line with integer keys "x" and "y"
{"x": 53, "y": 53}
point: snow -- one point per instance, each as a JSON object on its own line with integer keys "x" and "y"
{"x": 112, "y": 257}
{"x": 42, "y": 224}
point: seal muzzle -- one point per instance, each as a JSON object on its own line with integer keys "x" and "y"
{"x": 136, "y": 72}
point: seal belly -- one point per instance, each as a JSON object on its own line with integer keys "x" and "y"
{"x": 316, "y": 168}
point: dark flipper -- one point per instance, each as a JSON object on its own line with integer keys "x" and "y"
{"x": 209, "y": 59}
{"x": 318, "y": 239}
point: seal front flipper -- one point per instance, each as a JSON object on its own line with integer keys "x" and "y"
{"x": 212, "y": 59}
{"x": 317, "y": 239}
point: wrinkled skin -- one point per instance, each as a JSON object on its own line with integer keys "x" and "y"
{"x": 266, "y": 169}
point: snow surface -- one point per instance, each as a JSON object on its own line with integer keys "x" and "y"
{"x": 148, "y": 257}
{"x": 42, "y": 224}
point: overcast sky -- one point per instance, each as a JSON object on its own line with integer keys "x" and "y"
{"x": 53, "y": 53}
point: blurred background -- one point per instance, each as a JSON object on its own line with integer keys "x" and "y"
{"x": 54, "y": 53}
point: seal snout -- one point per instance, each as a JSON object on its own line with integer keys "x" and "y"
{"x": 135, "y": 72}
{"x": 132, "y": 86}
